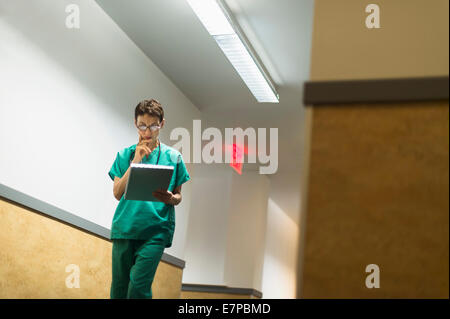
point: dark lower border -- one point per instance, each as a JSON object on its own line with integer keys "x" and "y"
{"x": 11, "y": 195}
{"x": 221, "y": 289}
{"x": 376, "y": 90}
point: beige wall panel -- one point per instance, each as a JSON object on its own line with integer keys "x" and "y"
{"x": 36, "y": 250}
{"x": 412, "y": 41}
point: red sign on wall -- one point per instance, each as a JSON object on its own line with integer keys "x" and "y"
{"x": 237, "y": 158}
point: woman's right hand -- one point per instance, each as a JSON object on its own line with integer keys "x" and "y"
{"x": 142, "y": 149}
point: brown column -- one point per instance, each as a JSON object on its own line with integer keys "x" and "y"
{"x": 379, "y": 171}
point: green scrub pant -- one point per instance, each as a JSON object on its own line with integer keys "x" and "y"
{"x": 134, "y": 264}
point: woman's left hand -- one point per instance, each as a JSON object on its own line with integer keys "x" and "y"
{"x": 165, "y": 196}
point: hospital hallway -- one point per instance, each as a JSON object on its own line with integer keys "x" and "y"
{"x": 310, "y": 138}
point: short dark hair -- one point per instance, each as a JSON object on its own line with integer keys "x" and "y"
{"x": 151, "y": 107}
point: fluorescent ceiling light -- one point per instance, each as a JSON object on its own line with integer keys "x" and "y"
{"x": 218, "y": 22}
{"x": 212, "y": 17}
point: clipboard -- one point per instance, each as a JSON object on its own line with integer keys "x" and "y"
{"x": 145, "y": 179}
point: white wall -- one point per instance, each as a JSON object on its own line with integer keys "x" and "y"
{"x": 226, "y": 232}
{"x": 280, "y": 255}
{"x": 246, "y": 230}
{"x": 67, "y": 99}
{"x": 205, "y": 251}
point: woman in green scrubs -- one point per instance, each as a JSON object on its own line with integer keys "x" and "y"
{"x": 141, "y": 230}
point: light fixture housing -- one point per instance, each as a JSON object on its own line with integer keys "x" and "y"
{"x": 216, "y": 18}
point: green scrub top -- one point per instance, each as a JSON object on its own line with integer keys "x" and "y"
{"x": 144, "y": 219}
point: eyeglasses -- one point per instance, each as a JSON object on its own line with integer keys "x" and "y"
{"x": 152, "y": 128}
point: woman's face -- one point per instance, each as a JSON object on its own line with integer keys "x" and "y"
{"x": 149, "y": 121}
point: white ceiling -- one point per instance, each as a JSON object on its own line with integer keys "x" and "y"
{"x": 171, "y": 35}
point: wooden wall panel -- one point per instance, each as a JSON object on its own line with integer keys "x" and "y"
{"x": 378, "y": 193}
{"x": 36, "y": 250}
